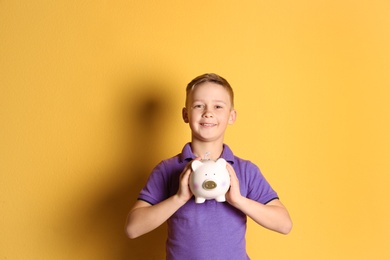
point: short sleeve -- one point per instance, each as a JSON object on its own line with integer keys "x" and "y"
{"x": 155, "y": 189}
{"x": 258, "y": 188}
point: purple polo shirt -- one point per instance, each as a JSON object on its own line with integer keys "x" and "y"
{"x": 211, "y": 230}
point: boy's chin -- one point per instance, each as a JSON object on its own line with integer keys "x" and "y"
{"x": 206, "y": 138}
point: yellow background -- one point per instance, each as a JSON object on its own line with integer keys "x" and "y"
{"x": 90, "y": 100}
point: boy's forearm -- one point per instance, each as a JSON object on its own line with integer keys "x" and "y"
{"x": 273, "y": 216}
{"x": 144, "y": 219}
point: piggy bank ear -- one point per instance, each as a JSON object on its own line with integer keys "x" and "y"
{"x": 196, "y": 164}
{"x": 221, "y": 163}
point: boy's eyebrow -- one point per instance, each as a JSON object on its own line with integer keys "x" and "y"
{"x": 217, "y": 100}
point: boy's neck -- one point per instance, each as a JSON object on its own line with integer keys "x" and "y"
{"x": 210, "y": 150}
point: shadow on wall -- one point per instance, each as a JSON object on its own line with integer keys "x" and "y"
{"x": 142, "y": 114}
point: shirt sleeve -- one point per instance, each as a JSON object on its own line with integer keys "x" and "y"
{"x": 155, "y": 189}
{"x": 258, "y": 187}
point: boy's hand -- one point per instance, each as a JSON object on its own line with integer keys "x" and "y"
{"x": 233, "y": 195}
{"x": 184, "y": 193}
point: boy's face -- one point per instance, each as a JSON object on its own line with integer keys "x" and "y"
{"x": 208, "y": 112}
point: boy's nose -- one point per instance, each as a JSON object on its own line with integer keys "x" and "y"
{"x": 207, "y": 114}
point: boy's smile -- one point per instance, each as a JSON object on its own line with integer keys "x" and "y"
{"x": 208, "y": 112}
{"x": 207, "y": 125}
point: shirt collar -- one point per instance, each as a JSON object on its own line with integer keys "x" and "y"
{"x": 187, "y": 154}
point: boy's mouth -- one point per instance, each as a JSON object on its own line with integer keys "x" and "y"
{"x": 207, "y": 124}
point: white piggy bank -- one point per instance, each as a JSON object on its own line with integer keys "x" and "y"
{"x": 209, "y": 180}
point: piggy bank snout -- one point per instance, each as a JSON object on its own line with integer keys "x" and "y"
{"x": 209, "y": 185}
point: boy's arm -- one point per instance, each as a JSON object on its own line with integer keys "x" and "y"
{"x": 273, "y": 215}
{"x": 144, "y": 217}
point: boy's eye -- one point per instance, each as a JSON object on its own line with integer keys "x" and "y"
{"x": 198, "y": 106}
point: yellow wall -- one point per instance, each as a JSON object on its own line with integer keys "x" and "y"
{"x": 90, "y": 100}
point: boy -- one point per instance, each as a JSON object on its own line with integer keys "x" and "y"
{"x": 211, "y": 230}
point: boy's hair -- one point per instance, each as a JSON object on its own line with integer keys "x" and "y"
{"x": 214, "y": 78}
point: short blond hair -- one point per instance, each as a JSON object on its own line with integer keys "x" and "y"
{"x": 210, "y": 77}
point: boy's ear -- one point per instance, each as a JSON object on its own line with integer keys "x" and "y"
{"x": 232, "y": 117}
{"x": 185, "y": 115}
